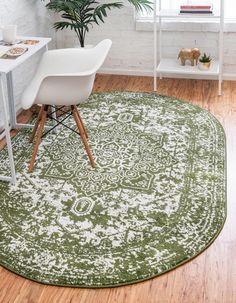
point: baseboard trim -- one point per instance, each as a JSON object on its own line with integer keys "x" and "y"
{"x": 126, "y": 72}
{"x": 148, "y": 73}
{"x": 229, "y": 76}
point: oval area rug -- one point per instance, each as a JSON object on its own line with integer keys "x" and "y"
{"x": 156, "y": 199}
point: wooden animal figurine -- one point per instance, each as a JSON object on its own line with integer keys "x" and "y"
{"x": 191, "y": 54}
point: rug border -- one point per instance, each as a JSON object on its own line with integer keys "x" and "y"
{"x": 177, "y": 265}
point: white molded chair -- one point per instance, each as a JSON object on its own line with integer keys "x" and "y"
{"x": 65, "y": 77}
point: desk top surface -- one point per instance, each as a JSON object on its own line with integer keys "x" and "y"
{"x": 7, "y": 65}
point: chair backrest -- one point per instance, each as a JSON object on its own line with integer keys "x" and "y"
{"x": 74, "y": 61}
{"x": 66, "y": 76}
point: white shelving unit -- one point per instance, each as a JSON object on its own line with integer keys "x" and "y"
{"x": 173, "y": 66}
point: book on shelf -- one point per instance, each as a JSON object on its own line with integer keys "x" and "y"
{"x": 199, "y": 9}
{"x": 186, "y": 6}
{"x": 196, "y": 9}
{"x": 195, "y": 12}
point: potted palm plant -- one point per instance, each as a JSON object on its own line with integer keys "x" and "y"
{"x": 80, "y": 15}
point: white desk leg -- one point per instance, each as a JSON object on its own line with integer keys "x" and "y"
{"x": 11, "y": 100}
{"x": 12, "y": 105}
{"x": 7, "y": 133}
{"x": 54, "y": 115}
{"x": 12, "y": 108}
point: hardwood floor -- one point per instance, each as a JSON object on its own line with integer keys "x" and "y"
{"x": 209, "y": 278}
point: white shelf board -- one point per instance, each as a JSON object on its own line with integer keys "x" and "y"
{"x": 174, "y": 13}
{"x": 173, "y": 66}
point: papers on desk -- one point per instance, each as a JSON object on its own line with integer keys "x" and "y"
{"x": 27, "y": 42}
{"x": 2, "y": 42}
{"x": 8, "y": 64}
{"x": 3, "y": 50}
{"x": 14, "y": 52}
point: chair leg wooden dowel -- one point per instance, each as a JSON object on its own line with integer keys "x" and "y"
{"x": 36, "y": 124}
{"x": 83, "y": 136}
{"x": 40, "y": 132}
{"x": 81, "y": 121}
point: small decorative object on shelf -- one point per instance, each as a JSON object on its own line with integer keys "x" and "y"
{"x": 205, "y": 62}
{"x": 196, "y": 9}
{"x": 191, "y": 54}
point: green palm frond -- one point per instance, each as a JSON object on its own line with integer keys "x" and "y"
{"x": 141, "y": 5}
{"x": 100, "y": 12}
{"x": 79, "y": 15}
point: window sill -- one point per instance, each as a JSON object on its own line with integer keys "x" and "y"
{"x": 186, "y": 25}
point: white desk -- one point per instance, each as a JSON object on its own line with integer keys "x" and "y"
{"x": 6, "y": 68}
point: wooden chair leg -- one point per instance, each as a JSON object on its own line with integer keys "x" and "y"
{"x": 40, "y": 132}
{"x": 81, "y": 121}
{"x": 83, "y": 136}
{"x": 36, "y": 124}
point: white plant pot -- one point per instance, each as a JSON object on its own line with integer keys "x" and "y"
{"x": 204, "y": 65}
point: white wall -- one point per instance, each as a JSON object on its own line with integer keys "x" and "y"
{"x": 132, "y": 50}
{"x": 32, "y": 19}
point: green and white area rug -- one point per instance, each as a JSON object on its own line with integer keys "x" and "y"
{"x": 156, "y": 199}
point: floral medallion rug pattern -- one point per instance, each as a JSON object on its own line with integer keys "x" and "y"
{"x": 155, "y": 200}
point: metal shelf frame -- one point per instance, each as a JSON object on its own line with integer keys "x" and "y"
{"x": 164, "y": 64}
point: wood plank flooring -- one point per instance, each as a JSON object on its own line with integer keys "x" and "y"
{"x": 209, "y": 278}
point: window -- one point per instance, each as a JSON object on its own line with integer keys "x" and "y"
{"x": 230, "y": 6}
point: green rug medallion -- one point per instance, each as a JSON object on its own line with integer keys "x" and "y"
{"x": 156, "y": 199}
